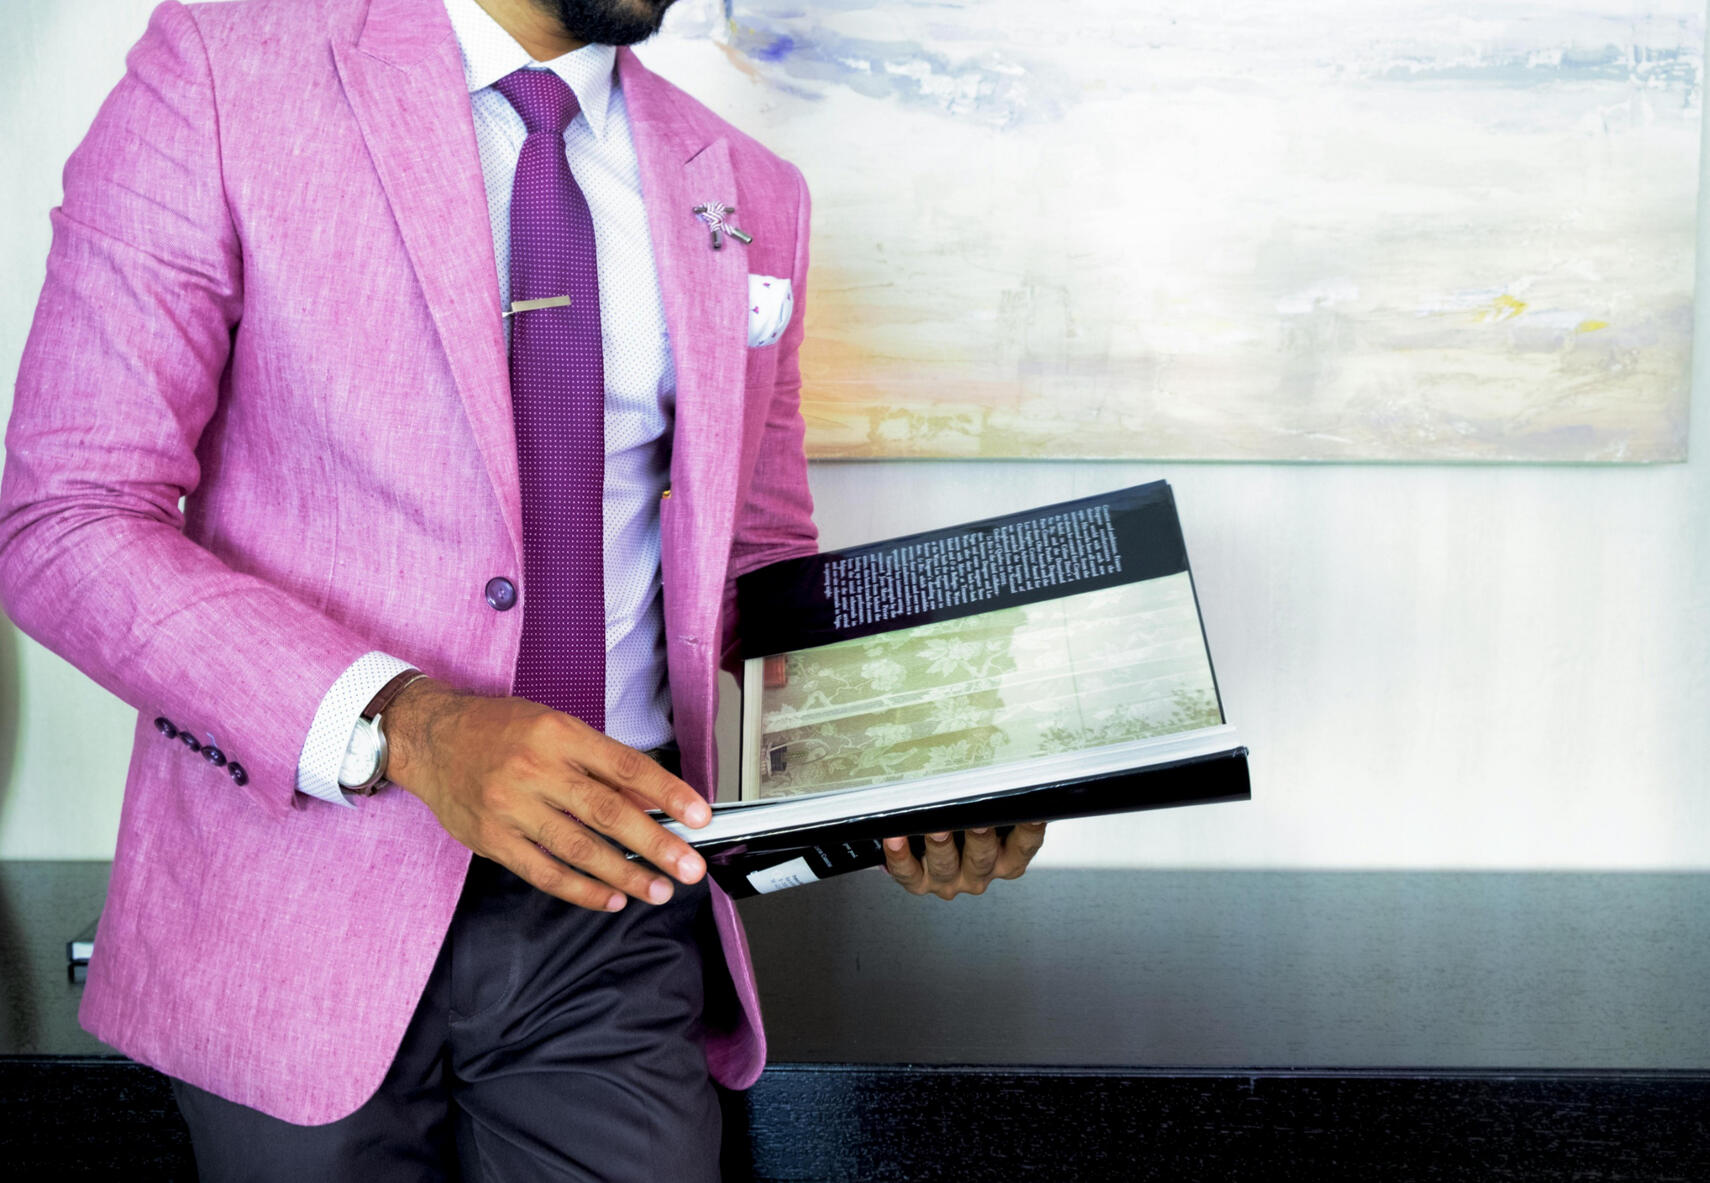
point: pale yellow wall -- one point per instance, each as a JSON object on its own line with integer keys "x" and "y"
{"x": 1434, "y": 666}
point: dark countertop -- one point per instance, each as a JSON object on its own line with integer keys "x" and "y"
{"x": 1260, "y": 969}
{"x": 42, "y": 906}
{"x": 1192, "y": 969}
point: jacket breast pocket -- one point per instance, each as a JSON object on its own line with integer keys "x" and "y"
{"x": 771, "y": 303}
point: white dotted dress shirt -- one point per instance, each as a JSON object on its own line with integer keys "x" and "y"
{"x": 640, "y": 384}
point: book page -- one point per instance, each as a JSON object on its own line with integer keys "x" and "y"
{"x": 1083, "y": 671}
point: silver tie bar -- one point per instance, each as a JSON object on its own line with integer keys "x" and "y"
{"x": 543, "y": 302}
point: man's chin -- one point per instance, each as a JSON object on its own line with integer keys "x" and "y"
{"x": 610, "y": 22}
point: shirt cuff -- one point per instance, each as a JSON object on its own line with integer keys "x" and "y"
{"x": 335, "y": 723}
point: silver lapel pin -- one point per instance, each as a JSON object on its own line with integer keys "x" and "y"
{"x": 713, "y": 214}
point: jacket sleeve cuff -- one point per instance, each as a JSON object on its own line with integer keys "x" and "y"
{"x": 335, "y": 723}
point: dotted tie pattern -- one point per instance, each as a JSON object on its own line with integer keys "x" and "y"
{"x": 558, "y": 404}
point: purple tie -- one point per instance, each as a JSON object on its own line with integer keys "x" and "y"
{"x": 558, "y": 400}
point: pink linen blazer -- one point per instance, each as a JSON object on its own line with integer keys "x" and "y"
{"x": 271, "y": 292}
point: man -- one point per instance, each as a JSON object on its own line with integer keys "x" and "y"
{"x": 489, "y": 515}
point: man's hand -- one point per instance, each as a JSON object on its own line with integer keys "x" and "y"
{"x": 947, "y": 872}
{"x": 534, "y": 789}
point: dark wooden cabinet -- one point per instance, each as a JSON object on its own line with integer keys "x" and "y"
{"x": 1089, "y": 1025}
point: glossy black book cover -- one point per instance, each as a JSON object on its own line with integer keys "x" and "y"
{"x": 1028, "y": 557}
{"x": 791, "y": 858}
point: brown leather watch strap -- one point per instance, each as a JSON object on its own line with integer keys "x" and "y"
{"x": 388, "y": 692}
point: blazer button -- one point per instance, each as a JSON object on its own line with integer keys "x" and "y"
{"x": 501, "y": 593}
{"x": 189, "y": 741}
{"x": 238, "y": 774}
{"x": 165, "y": 727}
{"x": 214, "y": 756}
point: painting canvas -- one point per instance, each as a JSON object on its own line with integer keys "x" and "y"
{"x": 1319, "y": 230}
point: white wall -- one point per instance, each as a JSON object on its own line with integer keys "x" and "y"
{"x": 1435, "y": 667}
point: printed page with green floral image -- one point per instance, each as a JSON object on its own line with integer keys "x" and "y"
{"x": 1081, "y": 672}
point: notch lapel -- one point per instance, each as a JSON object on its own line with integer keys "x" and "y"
{"x": 404, "y": 79}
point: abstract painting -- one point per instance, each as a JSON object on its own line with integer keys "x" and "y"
{"x": 1423, "y": 230}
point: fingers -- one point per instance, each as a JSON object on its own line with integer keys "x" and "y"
{"x": 947, "y": 872}
{"x": 943, "y": 865}
{"x": 611, "y": 789}
{"x": 568, "y": 840}
{"x": 624, "y": 768}
{"x": 1018, "y": 850}
{"x": 903, "y": 866}
{"x": 616, "y": 815}
{"x": 529, "y": 863}
{"x": 980, "y": 850}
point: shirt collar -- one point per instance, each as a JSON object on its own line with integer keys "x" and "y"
{"x": 489, "y": 53}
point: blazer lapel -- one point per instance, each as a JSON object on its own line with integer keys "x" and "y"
{"x": 705, "y": 293}
{"x": 404, "y": 78}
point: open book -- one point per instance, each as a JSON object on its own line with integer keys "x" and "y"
{"x": 1042, "y": 665}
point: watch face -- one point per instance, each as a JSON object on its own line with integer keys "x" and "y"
{"x": 362, "y": 757}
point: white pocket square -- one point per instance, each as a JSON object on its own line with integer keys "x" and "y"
{"x": 770, "y": 303}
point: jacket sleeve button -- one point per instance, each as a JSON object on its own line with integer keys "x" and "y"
{"x": 214, "y": 756}
{"x": 164, "y": 725}
{"x": 189, "y": 741}
{"x": 238, "y": 774}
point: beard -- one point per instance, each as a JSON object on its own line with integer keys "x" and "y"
{"x": 609, "y": 22}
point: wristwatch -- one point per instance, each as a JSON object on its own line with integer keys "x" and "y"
{"x": 363, "y": 771}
